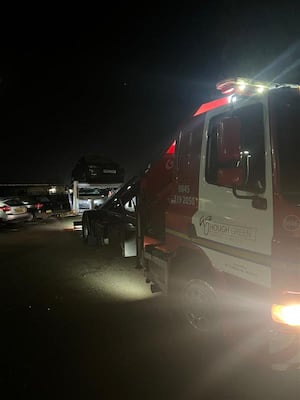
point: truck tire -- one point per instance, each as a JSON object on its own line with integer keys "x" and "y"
{"x": 87, "y": 236}
{"x": 101, "y": 234}
{"x": 194, "y": 301}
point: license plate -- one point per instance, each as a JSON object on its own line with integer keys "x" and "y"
{"x": 48, "y": 211}
{"x": 20, "y": 209}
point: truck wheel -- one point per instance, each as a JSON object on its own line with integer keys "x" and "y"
{"x": 198, "y": 305}
{"x": 101, "y": 236}
{"x": 194, "y": 302}
{"x": 87, "y": 236}
{"x": 85, "y": 232}
{"x": 101, "y": 241}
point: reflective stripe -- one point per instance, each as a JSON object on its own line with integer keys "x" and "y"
{"x": 257, "y": 258}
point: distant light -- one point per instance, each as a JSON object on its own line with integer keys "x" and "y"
{"x": 52, "y": 190}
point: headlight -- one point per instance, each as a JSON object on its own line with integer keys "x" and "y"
{"x": 288, "y": 314}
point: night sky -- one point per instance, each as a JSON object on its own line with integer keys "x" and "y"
{"x": 119, "y": 83}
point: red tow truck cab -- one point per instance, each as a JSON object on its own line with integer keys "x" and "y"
{"x": 221, "y": 228}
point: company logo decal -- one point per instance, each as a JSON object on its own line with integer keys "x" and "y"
{"x": 216, "y": 229}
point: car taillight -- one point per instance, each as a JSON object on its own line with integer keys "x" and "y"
{"x": 38, "y": 205}
{"x": 5, "y": 208}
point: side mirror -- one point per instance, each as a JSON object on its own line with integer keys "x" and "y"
{"x": 229, "y": 140}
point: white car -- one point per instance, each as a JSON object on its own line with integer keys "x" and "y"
{"x": 92, "y": 197}
{"x": 13, "y": 210}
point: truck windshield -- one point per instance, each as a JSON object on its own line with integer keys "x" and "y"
{"x": 286, "y": 115}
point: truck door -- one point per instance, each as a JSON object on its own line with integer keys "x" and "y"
{"x": 235, "y": 228}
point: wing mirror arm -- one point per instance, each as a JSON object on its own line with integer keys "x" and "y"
{"x": 235, "y": 188}
{"x": 257, "y": 202}
{"x": 245, "y": 165}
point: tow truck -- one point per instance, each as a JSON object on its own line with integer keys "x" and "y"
{"x": 221, "y": 236}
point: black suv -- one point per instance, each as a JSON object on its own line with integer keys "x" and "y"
{"x": 41, "y": 206}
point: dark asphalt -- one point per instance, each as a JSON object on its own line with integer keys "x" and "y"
{"x": 80, "y": 323}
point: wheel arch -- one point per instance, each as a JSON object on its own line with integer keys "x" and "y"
{"x": 189, "y": 261}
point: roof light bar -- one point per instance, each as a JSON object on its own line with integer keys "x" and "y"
{"x": 243, "y": 86}
{"x": 239, "y": 86}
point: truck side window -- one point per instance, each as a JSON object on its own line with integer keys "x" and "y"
{"x": 252, "y": 143}
{"x": 188, "y": 152}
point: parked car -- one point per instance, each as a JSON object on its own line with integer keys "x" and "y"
{"x": 36, "y": 205}
{"x": 60, "y": 202}
{"x": 44, "y": 206}
{"x": 92, "y": 197}
{"x": 97, "y": 168}
{"x": 12, "y": 210}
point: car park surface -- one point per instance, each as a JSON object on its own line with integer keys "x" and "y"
{"x": 80, "y": 322}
